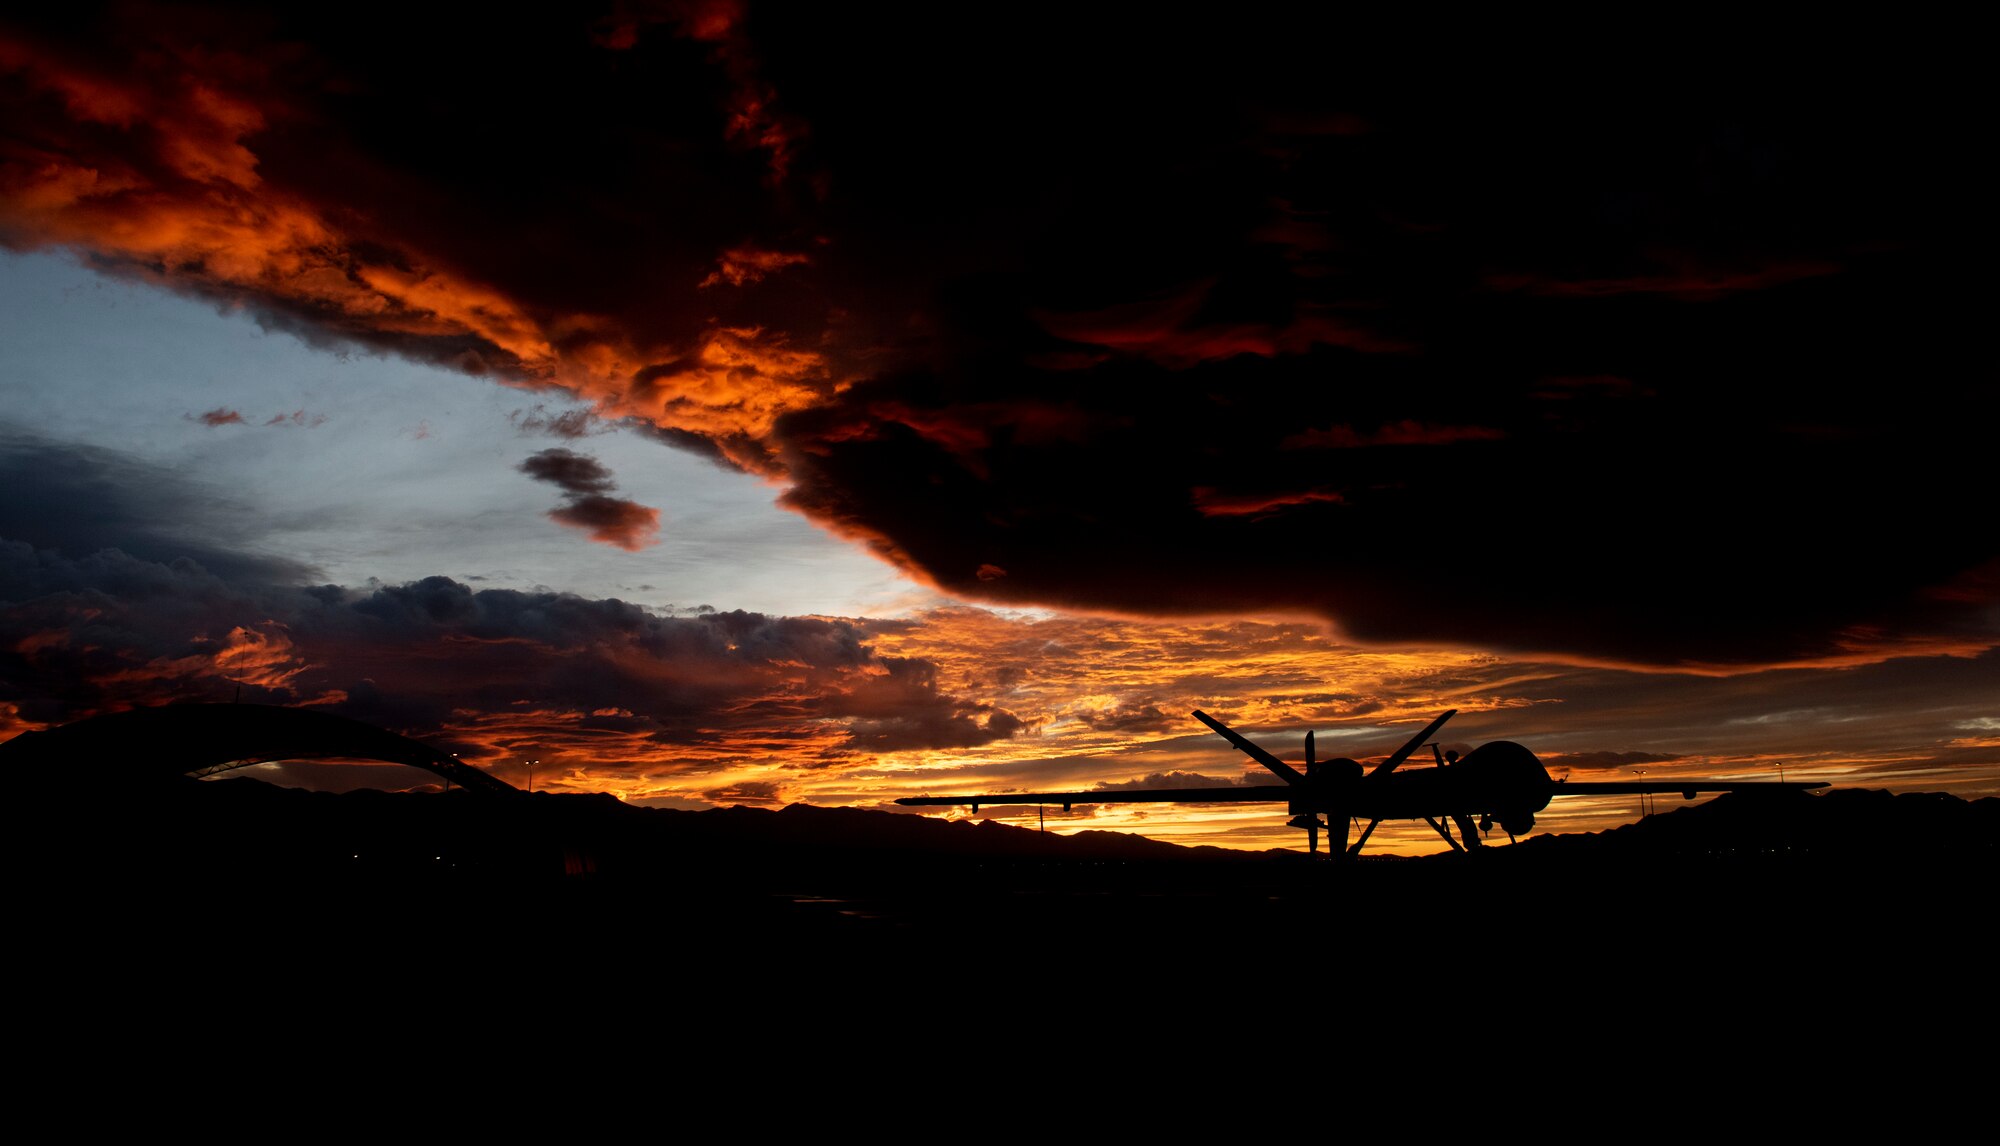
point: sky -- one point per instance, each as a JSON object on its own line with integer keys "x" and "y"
{"x": 724, "y": 403}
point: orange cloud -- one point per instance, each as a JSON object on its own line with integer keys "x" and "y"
{"x": 612, "y": 520}
{"x": 755, "y": 118}
{"x": 175, "y": 194}
{"x": 262, "y": 656}
{"x": 731, "y": 389}
{"x": 1213, "y": 503}
{"x": 1173, "y": 332}
{"x": 742, "y": 265}
{"x": 151, "y": 163}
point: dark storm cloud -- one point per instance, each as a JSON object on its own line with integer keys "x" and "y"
{"x": 80, "y": 636}
{"x": 1258, "y": 313}
{"x": 76, "y": 500}
{"x": 1323, "y": 371}
{"x": 1404, "y": 433}
{"x": 716, "y": 679}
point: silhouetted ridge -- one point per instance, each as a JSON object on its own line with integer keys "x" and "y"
{"x": 1843, "y": 824}
{"x": 237, "y": 864}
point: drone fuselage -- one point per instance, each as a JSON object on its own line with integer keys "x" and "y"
{"x": 1500, "y": 780}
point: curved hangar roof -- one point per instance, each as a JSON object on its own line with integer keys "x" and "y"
{"x": 198, "y": 739}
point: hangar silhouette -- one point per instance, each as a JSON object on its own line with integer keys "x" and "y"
{"x": 147, "y": 744}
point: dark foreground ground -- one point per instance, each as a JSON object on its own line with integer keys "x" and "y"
{"x": 1800, "y": 954}
{"x": 1773, "y": 882}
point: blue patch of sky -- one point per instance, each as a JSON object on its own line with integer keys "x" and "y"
{"x": 365, "y": 466}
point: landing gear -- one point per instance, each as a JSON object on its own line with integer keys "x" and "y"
{"x": 1335, "y": 850}
{"x": 1355, "y": 850}
{"x": 1468, "y": 834}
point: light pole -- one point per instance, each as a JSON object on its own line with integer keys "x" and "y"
{"x": 531, "y": 774}
{"x": 1643, "y": 813}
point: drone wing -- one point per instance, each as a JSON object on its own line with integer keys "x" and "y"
{"x": 1687, "y": 788}
{"x": 1282, "y": 770}
{"x": 1260, "y": 794}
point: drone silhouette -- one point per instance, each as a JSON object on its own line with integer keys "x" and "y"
{"x": 1499, "y": 782}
